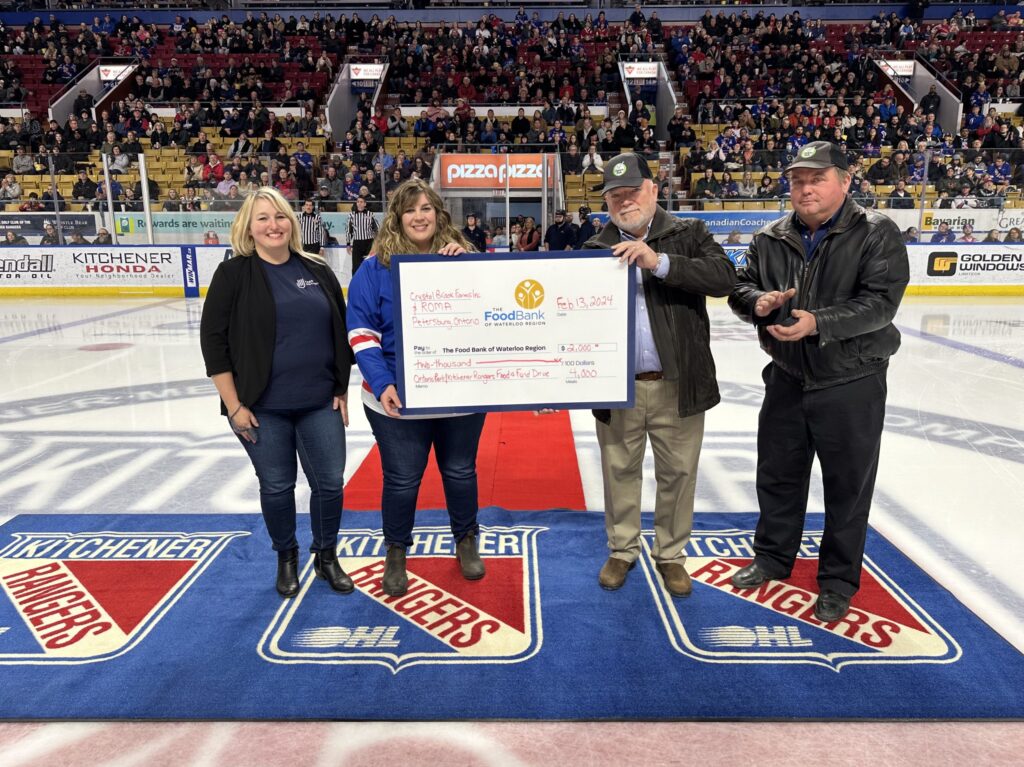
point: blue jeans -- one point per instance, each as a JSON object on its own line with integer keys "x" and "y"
{"x": 404, "y": 448}
{"x": 318, "y": 437}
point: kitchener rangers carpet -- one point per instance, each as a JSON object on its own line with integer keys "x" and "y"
{"x": 141, "y": 616}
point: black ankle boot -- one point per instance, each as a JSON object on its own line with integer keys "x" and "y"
{"x": 288, "y": 573}
{"x": 395, "y": 581}
{"x": 325, "y": 565}
{"x": 466, "y": 551}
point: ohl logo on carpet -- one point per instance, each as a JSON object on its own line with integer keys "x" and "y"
{"x": 441, "y": 619}
{"x": 86, "y": 597}
{"x": 775, "y": 623}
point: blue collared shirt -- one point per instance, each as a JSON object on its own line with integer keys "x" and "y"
{"x": 645, "y": 357}
{"x": 812, "y": 241}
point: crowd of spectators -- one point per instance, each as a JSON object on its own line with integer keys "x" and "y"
{"x": 456, "y": 64}
{"x": 490, "y": 61}
{"x": 226, "y": 104}
{"x": 769, "y": 80}
{"x": 945, "y": 235}
{"x": 65, "y": 50}
{"x": 773, "y": 87}
{"x": 557, "y": 70}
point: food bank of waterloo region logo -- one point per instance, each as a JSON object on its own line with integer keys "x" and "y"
{"x": 84, "y": 597}
{"x": 529, "y": 294}
{"x": 441, "y": 619}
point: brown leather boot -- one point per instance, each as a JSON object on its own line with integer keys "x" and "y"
{"x": 677, "y": 580}
{"x": 614, "y": 572}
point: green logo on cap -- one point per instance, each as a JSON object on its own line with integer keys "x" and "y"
{"x": 619, "y": 169}
{"x": 808, "y": 151}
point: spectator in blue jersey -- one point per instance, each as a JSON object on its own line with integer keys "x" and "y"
{"x": 944, "y": 234}
{"x": 415, "y": 222}
{"x": 975, "y": 119}
{"x": 352, "y": 187}
{"x": 887, "y": 109}
{"x": 304, "y": 158}
{"x": 796, "y": 141}
{"x": 423, "y": 126}
{"x": 1000, "y": 171}
{"x": 782, "y": 190}
{"x": 273, "y": 336}
{"x": 981, "y": 97}
{"x": 385, "y": 160}
{"x": 918, "y": 172}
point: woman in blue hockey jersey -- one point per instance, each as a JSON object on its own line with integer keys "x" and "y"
{"x": 416, "y": 222}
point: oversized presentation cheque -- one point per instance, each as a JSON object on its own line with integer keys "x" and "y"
{"x": 514, "y": 331}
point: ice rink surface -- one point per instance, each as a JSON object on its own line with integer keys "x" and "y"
{"x": 105, "y": 408}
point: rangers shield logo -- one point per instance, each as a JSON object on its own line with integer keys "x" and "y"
{"x": 775, "y": 623}
{"x": 86, "y": 597}
{"x": 442, "y": 618}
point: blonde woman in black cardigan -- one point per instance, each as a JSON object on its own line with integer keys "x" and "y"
{"x": 274, "y": 341}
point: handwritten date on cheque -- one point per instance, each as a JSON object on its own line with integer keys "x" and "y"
{"x": 578, "y": 303}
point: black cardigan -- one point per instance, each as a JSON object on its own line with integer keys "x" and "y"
{"x": 239, "y": 326}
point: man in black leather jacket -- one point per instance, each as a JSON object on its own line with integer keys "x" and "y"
{"x": 822, "y": 286}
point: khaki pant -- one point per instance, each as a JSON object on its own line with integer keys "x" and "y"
{"x": 676, "y": 444}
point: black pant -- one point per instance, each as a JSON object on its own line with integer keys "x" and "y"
{"x": 360, "y": 250}
{"x": 313, "y": 248}
{"x": 843, "y": 426}
{"x": 404, "y": 448}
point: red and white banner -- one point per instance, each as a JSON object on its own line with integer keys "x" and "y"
{"x": 900, "y": 67}
{"x": 366, "y": 71}
{"x": 114, "y": 72}
{"x": 640, "y": 70}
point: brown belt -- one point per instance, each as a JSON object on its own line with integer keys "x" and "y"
{"x": 654, "y": 375}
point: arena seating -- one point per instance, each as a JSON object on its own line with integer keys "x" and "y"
{"x": 945, "y": 43}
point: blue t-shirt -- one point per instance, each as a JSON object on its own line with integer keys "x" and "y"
{"x": 302, "y": 373}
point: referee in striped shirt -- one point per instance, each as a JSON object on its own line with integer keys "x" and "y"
{"x": 314, "y": 233}
{"x": 362, "y": 229}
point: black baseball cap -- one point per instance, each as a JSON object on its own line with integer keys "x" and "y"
{"x": 818, "y": 155}
{"x": 627, "y": 169}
